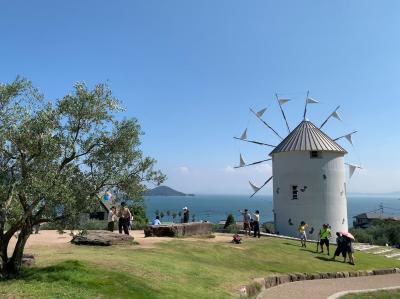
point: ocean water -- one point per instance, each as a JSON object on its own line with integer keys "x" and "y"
{"x": 214, "y": 208}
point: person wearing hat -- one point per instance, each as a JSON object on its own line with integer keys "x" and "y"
{"x": 324, "y": 235}
{"x": 185, "y": 215}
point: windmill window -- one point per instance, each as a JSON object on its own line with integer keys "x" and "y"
{"x": 315, "y": 155}
{"x": 295, "y": 192}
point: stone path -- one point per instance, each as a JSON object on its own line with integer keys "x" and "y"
{"x": 321, "y": 289}
{"x": 388, "y": 252}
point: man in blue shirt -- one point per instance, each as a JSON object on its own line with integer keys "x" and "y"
{"x": 156, "y": 221}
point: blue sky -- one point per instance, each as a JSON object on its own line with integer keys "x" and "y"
{"x": 189, "y": 71}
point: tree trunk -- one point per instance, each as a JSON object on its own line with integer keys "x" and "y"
{"x": 11, "y": 267}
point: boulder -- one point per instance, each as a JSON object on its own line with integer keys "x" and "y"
{"x": 383, "y": 271}
{"x": 28, "y": 259}
{"x": 178, "y": 230}
{"x": 285, "y": 278}
{"x": 101, "y": 238}
{"x": 271, "y": 281}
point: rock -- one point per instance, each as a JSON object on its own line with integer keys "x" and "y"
{"x": 271, "y": 281}
{"x": 313, "y": 276}
{"x": 293, "y": 277}
{"x": 397, "y": 270}
{"x": 346, "y": 274}
{"x": 323, "y": 275}
{"x": 362, "y": 273}
{"x": 354, "y": 274}
{"x": 369, "y": 272}
{"x": 339, "y": 275}
{"x": 243, "y": 292}
{"x": 283, "y": 279}
{"x": 261, "y": 283}
{"x": 28, "y": 259}
{"x": 178, "y": 230}
{"x": 102, "y": 238}
{"x": 331, "y": 275}
{"x": 383, "y": 271}
{"x": 301, "y": 276}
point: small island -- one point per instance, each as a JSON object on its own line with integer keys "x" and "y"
{"x": 165, "y": 191}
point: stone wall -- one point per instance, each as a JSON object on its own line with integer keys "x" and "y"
{"x": 178, "y": 230}
{"x": 260, "y": 284}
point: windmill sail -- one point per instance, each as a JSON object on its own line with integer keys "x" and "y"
{"x": 333, "y": 114}
{"x": 347, "y": 136}
{"x": 261, "y": 112}
{"x": 336, "y": 115}
{"x": 281, "y": 102}
{"x": 352, "y": 168}
{"x": 256, "y": 189}
{"x": 242, "y": 163}
{"x": 312, "y": 101}
{"x": 244, "y": 135}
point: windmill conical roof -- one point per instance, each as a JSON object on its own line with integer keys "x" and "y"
{"x": 307, "y": 137}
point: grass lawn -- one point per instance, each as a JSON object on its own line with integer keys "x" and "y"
{"x": 203, "y": 268}
{"x": 389, "y": 294}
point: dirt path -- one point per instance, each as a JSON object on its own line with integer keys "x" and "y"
{"x": 321, "y": 289}
{"x": 53, "y": 238}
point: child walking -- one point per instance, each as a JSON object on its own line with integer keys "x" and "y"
{"x": 302, "y": 233}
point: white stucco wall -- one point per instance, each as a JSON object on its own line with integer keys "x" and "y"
{"x": 323, "y": 201}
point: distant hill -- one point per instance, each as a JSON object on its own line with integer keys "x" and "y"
{"x": 165, "y": 191}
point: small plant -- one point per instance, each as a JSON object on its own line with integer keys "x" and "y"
{"x": 229, "y": 221}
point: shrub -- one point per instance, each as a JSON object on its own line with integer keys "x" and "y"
{"x": 229, "y": 221}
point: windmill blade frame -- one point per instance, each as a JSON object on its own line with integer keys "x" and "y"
{"x": 259, "y": 188}
{"x": 267, "y": 125}
{"x": 255, "y": 142}
{"x": 254, "y": 163}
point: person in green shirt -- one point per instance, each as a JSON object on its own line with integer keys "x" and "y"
{"x": 324, "y": 235}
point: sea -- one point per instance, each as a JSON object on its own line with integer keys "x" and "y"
{"x": 214, "y": 208}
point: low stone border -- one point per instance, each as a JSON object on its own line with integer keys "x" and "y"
{"x": 260, "y": 284}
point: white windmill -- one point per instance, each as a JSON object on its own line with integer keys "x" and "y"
{"x": 308, "y": 172}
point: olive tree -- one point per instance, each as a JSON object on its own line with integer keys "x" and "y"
{"x": 56, "y": 157}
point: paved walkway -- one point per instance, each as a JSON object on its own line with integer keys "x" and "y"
{"x": 321, "y": 289}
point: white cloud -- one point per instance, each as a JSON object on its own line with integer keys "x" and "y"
{"x": 184, "y": 170}
{"x": 263, "y": 168}
{"x": 229, "y": 169}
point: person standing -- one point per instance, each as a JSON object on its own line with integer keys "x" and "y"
{"x": 302, "y": 233}
{"x": 324, "y": 235}
{"x": 112, "y": 216}
{"x": 246, "y": 221}
{"x": 256, "y": 224}
{"x": 349, "y": 249}
{"x": 124, "y": 218}
{"x": 185, "y": 215}
{"x": 341, "y": 247}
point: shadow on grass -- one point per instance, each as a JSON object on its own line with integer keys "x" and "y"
{"x": 76, "y": 275}
{"x": 325, "y": 258}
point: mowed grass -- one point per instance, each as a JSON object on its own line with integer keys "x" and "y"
{"x": 178, "y": 269}
{"x": 385, "y": 294}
